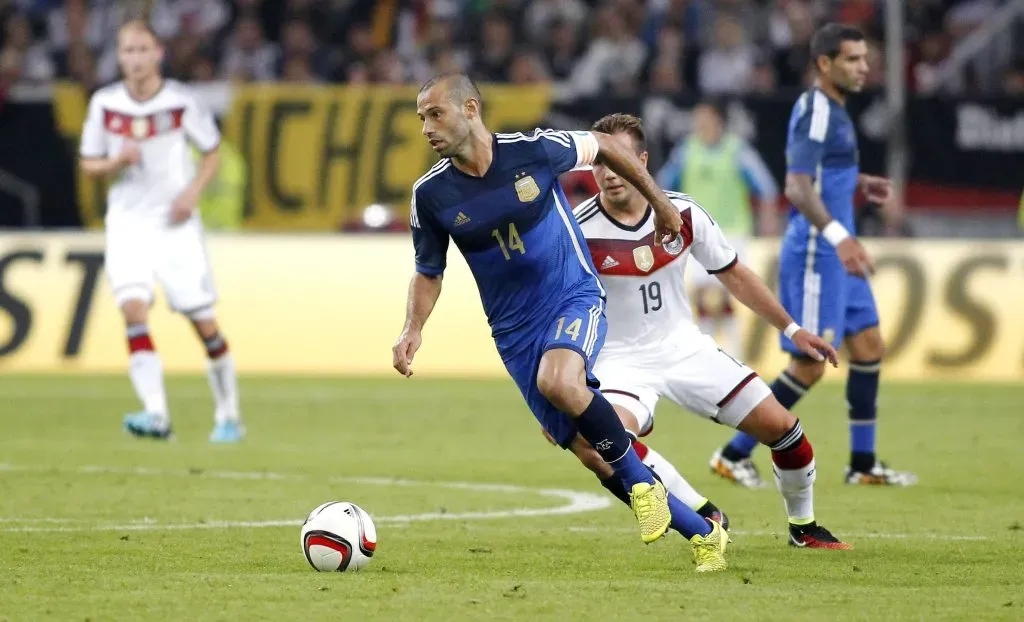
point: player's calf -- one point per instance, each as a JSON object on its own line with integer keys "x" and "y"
{"x": 222, "y": 378}
{"x": 146, "y": 373}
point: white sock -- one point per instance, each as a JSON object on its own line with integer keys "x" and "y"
{"x": 147, "y": 374}
{"x": 797, "y": 488}
{"x": 674, "y": 482}
{"x": 224, "y": 385}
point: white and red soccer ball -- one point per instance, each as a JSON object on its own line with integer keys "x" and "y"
{"x": 338, "y": 536}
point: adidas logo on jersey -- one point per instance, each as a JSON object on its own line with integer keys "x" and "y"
{"x": 461, "y": 219}
{"x": 608, "y": 263}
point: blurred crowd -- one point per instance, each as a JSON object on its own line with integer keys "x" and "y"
{"x": 582, "y": 47}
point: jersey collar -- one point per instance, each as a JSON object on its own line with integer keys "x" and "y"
{"x": 639, "y": 225}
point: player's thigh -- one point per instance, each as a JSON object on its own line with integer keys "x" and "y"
{"x": 714, "y": 385}
{"x": 626, "y": 386}
{"x": 184, "y": 271}
{"x": 522, "y": 366}
{"x": 863, "y": 337}
{"x": 812, "y": 288}
{"x": 130, "y": 262}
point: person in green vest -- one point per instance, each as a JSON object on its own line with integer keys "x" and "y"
{"x": 728, "y": 178}
{"x": 222, "y": 204}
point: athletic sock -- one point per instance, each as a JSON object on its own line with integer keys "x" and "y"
{"x": 600, "y": 426}
{"x": 788, "y": 391}
{"x": 793, "y": 466}
{"x": 862, "y": 398}
{"x": 664, "y": 470}
{"x": 685, "y": 520}
{"x": 222, "y": 378}
{"x": 146, "y": 371}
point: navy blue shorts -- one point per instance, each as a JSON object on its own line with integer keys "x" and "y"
{"x": 823, "y": 297}
{"x": 579, "y": 325}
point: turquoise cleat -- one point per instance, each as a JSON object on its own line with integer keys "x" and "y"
{"x": 227, "y": 432}
{"x": 147, "y": 425}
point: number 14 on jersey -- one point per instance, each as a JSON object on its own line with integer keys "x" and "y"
{"x": 515, "y": 243}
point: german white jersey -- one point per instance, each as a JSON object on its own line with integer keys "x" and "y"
{"x": 648, "y": 310}
{"x": 163, "y": 126}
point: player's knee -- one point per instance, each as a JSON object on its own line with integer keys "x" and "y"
{"x": 807, "y": 371}
{"x": 768, "y": 421}
{"x": 206, "y": 327}
{"x": 135, "y": 311}
{"x": 562, "y": 386}
{"x": 867, "y": 346}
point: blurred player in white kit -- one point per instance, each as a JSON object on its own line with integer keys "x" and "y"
{"x": 138, "y": 132}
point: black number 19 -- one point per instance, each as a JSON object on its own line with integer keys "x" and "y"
{"x": 651, "y": 293}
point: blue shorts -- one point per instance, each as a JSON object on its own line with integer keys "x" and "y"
{"x": 823, "y": 297}
{"x": 579, "y": 325}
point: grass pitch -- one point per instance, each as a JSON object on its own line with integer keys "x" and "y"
{"x": 95, "y": 525}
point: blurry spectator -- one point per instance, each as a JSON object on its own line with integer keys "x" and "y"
{"x": 728, "y": 65}
{"x": 81, "y": 66}
{"x": 446, "y": 61}
{"x": 933, "y": 50}
{"x": 764, "y": 81}
{"x": 358, "y": 49}
{"x": 204, "y": 69}
{"x": 612, "y": 61}
{"x": 561, "y": 48}
{"x": 248, "y": 55}
{"x": 201, "y": 18}
{"x": 23, "y": 59}
{"x": 527, "y": 68}
{"x": 495, "y": 53}
{"x": 1013, "y": 80}
{"x": 387, "y": 68}
{"x": 790, "y": 29}
{"x": 299, "y": 69}
{"x": 876, "y": 66}
{"x": 181, "y": 54}
{"x": 542, "y": 15}
{"x": 665, "y": 78}
{"x": 299, "y": 44}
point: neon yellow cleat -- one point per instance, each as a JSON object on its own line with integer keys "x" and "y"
{"x": 650, "y": 505}
{"x": 709, "y": 550}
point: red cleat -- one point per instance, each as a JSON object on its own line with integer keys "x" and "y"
{"x": 813, "y": 536}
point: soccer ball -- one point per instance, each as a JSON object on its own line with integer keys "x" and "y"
{"x": 338, "y": 536}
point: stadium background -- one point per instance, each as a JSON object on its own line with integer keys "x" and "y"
{"x": 316, "y": 101}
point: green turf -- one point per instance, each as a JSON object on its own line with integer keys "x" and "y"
{"x": 80, "y": 545}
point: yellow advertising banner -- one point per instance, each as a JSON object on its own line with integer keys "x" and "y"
{"x": 333, "y": 305}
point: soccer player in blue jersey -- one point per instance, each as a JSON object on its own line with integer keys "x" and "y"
{"x": 497, "y": 196}
{"x": 823, "y": 268}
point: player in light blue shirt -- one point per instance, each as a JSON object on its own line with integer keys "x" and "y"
{"x": 497, "y": 197}
{"x": 823, "y": 269}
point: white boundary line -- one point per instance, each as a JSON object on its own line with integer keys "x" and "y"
{"x": 575, "y": 502}
{"x": 765, "y": 533}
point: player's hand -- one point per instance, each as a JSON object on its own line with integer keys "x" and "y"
{"x": 130, "y": 153}
{"x": 667, "y": 223}
{"x": 405, "y": 349}
{"x": 183, "y": 206}
{"x": 855, "y": 257}
{"x": 876, "y": 189}
{"x": 815, "y": 347}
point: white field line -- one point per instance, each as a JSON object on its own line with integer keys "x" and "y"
{"x": 851, "y": 536}
{"x": 574, "y": 501}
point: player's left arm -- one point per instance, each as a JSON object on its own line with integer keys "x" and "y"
{"x": 201, "y": 130}
{"x": 718, "y": 257}
{"x": 569, "y": 150}
{"x": 762, "y": 186}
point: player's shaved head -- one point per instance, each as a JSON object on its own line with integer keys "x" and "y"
{"x": 459, "y": 87}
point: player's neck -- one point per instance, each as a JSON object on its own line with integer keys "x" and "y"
{"x": 476, "y": 158}
{"x": 831, "y": 90}
{"x": 629, "y": 213}
{"x": 146, "y": 88}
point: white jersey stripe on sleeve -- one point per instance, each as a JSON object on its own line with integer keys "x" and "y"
{"x": 819, "y": 117}
{"x": 575, "y": 241}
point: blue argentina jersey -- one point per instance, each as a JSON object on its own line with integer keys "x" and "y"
{"x": 822, "y": 142}
{"x": 513, "y": 225}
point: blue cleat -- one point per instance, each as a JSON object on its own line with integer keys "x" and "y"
{"x": 149, "y": 425}
{"x": 227, "y": 432}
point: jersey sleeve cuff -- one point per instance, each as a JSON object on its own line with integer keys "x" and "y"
{"x": 735, "y": 260}
{"x": 430, "y": 271}
{"x": 586, "y": 148}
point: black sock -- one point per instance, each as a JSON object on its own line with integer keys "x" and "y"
{"x": 614, "y": 485}
{"x": 601, "y": 427}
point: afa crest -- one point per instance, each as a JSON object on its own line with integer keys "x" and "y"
{"x": 643, "y": 256}
{"x": 527, "y": 189}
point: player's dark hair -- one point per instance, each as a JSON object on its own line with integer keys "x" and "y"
{"x": 621, "y": 122}
{"x": 461, "y": 87}
{"x": 829, "y": 38}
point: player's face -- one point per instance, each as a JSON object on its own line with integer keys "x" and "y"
{"x": 707, "y": 125}
{"x": 445, "y": 123}
{"x": 139, "y": 54}
{"x": 849, "y": 70}
{"x": 615, "y": 189}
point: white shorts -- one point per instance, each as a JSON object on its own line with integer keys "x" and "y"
{"x": 707, "y": 382}
{"x": 139, "y": 255}
{"x": 700, "y": 278}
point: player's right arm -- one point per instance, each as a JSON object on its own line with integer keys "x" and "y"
{"x": 804, "y": 154}
{"x": 431, "y": 244}
{"x": 95, "y": 160}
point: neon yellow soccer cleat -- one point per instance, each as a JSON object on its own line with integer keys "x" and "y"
{"x": 650, "y": 505}
{"x": 709, "y": 550}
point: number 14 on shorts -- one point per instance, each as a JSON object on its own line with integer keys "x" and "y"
{"x": 572, "y": 329}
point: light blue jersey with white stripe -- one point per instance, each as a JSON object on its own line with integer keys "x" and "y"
{"x": 515, "y": 228}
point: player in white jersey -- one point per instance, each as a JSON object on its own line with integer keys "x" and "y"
{"x": 653, "y": 348}
{"x": 138, "y": 132}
